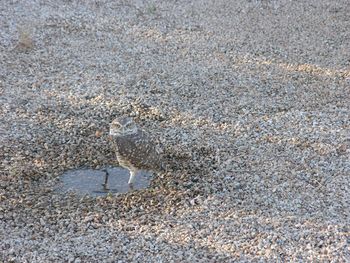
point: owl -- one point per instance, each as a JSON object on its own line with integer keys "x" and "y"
{"x": 134, "y": 149}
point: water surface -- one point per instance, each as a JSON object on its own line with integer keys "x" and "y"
{"x": 89, "y": 181}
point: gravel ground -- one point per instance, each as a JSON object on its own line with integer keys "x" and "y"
{"x": 248, "y": 100}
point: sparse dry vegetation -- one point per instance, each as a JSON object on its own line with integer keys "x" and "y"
{"x": 25, "y": 37}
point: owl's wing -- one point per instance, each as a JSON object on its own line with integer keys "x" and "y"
{"x": 139, "y": 150}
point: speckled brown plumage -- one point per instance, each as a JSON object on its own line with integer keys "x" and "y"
{"x": 134, "y": 149}
{"x": 137, "y": 151}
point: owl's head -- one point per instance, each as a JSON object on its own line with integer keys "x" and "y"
{"x": 122, "y": 126}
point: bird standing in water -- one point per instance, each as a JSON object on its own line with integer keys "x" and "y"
{"x": 134, "y": 149}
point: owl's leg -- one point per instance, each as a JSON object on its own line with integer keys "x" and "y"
{"x": 132, "y": 178}
{"x": 105, "y": 184}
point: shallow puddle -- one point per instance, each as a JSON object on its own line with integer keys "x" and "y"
{"x": 89, "y": 181}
